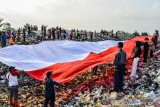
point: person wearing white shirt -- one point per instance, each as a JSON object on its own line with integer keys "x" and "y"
{"x": 12, "y": 83}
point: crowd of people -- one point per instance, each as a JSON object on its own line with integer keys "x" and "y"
{"x": 149, "y": 47}
{"x": 77, "y": 35}
{"x": 6, "y": 38}
{"x": 10, "y": 37}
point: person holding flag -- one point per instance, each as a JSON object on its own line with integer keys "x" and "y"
{"x": 119, "y": 63}
{"x": 119, "y": 68}
{"x": 136, "y": 53}
{"x": 12, "y": 83}
{"x": 49, "y": 89}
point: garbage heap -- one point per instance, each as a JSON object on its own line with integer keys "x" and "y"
{"x": 91, "y": 90}
{"x": 143, "y": 90}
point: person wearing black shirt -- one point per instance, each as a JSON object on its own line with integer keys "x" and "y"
{"x": 24, "y": 36}
{"x": 112, "y": 33}
{"x": 29, "y": 30}
{"x": 49, "y": 89}
{"x": 53, "y": 33}
{"x": 146, "y": 49}
{"x": 156, "y": 37}
{"x": 116, "y": 34}
{"x": 153, "y": 46}
{"x": 136, "y": 55}
{"x": 119, "y": 63}
{"x": 94, "y": 71}
{"x": 45, "y": 27}
{"x": 60, "y": 32}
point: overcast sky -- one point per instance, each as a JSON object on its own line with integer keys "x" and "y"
{"x": 127, "y": 15}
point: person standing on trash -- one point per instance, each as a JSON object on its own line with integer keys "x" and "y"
{"x": 71, "y": 35}
{"x": 49, "y": 89}
{"x": 44, "y": 36}
{"x": 85, "y": 33}
{"x": 146, "y": 49}
{"x": 156, "y": 34}
{"x": 136, "y": 56}
{"x": 8, "y": 34}
{"x": 12, "y": 83}
{"x": 14, "y": 36}
{"x": 53, "y": 33}
{"x": 29, "y": 30}
{"x": 3, "y": 39}
{"x": 119, "y": 63}
{"x": 152, "y": 47}
{"x": 24, "y": 35}
{"x": 112, "y": 33}
{"x": 94, "y": 70}
{"x": 18, "y": 39}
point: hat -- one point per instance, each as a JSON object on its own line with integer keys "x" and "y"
{"x": 11, "y": 67}
{"x": 49, "y": 73}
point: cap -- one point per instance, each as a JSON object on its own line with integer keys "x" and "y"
{"x": 11, "y": 67}
{"x": 49, "y": 73}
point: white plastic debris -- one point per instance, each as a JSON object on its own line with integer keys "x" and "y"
{"x": 150, "y": 95}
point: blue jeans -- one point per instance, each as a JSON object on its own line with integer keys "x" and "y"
{"x": 118, "y": 80}
{"x": 13, "y": 92}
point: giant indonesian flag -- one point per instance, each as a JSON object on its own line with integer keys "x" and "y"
{"x": 66, "y": 58}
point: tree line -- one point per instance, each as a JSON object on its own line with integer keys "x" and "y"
{"x": 7, "y": 26}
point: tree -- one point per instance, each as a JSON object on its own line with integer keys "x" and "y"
{"x": 136, "y": 33}
{"x": 32, "y": 27}
{"x": 6, "y": 26}
{"x": 144, "y": 34}
{"x": 1, "y": 22}
{"x": 35, "y": 27}
{"x": 26, "y": 26}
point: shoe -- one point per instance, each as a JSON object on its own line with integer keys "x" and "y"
{"x": 16, "y": 103}
{"x": 11, "y": 101}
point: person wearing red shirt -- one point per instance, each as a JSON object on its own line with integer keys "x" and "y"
{"x": 18, "y": 39}
{"x": 156, "y": 34}
{"x": 71, "y": 35}
{"x": 12, "y": 83}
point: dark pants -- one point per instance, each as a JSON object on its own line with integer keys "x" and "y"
{"x": 14, "y": 38}
{"x": 145, "y": 55}
{"x": 151, "y": 54}
{"x": 155, "y": 45}
{"x": 3, "y": 44}
{"x": 64, "y": 36}
{"x": 95, "y": 70}
{"x": 145, "y": 58}
{"x": 13, "y": 92}
{"x": 50, "y": 98}
{"x": 24, "y": 39}
{"x": 118, "y": 80}
{"x": 53, "y": 37}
